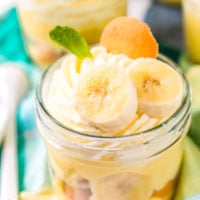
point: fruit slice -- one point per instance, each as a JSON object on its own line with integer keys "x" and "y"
{"x": 106, "y": 98}
{"x": 129, "y": 36}
{"x": 159, "y": 87}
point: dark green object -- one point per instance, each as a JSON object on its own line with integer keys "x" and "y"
{"x": 194, "y": 132}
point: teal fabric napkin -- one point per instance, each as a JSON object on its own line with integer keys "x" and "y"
{"x": 32, "y": 160}
{"x": 32, "y": 166}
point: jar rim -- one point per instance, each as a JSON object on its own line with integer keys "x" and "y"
{"x": 186, "y": 98}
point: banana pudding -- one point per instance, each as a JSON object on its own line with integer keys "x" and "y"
{"x": 114, "y": 122}
{"x": 38, "y": 17}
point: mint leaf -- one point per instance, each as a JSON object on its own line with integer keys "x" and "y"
{"x": 71, "y": 40}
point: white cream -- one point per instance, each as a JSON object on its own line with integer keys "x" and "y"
{"x": 61, "y": 100}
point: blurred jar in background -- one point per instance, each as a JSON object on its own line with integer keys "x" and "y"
{"x": 191, "y": 24}
{"x": 38, "y": 17}
{"x": 171, "y": 1}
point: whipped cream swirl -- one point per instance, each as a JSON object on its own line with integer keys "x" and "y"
{"x": 63, "y": 91}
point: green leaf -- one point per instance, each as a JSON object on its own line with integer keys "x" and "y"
{"x": 71, "y": 40}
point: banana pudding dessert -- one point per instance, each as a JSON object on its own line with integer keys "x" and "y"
{"x": 114, "y": 116}
{"x": 38, "y": 17}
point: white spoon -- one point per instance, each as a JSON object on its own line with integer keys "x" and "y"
{"x": 16, "y": 84}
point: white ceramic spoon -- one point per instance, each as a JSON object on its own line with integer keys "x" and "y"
{"x": 16, "y": 84}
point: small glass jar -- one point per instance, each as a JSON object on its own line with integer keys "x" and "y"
{"x": 173, "y": 2}
{"x": 38, "y": 17}
{"x": 191, "y": 22}
{"x": 143, "y": 166}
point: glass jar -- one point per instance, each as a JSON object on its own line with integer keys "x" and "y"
{"x": 173, "y": 2}
{"x": 191, "y": 21}
{"x": 38, "y": 17}
{"x": 143, "y": 166}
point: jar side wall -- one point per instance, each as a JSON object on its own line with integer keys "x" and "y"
{"x": 155, "y": 171}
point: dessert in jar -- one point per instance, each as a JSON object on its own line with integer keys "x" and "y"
{"x": 115, "y": 119}
{"x": 38, "y": 17}
{"x": 191, "y": 20}
{"x": 175, "y": 2}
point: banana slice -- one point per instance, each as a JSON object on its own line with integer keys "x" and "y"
{"x": 159, "y": 87}
{"x": 106, "y": 98}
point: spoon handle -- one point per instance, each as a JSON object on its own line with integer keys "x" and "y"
{"x": 9, "y": 172}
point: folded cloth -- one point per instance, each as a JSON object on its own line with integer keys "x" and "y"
{"x": 33, "y": 165}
